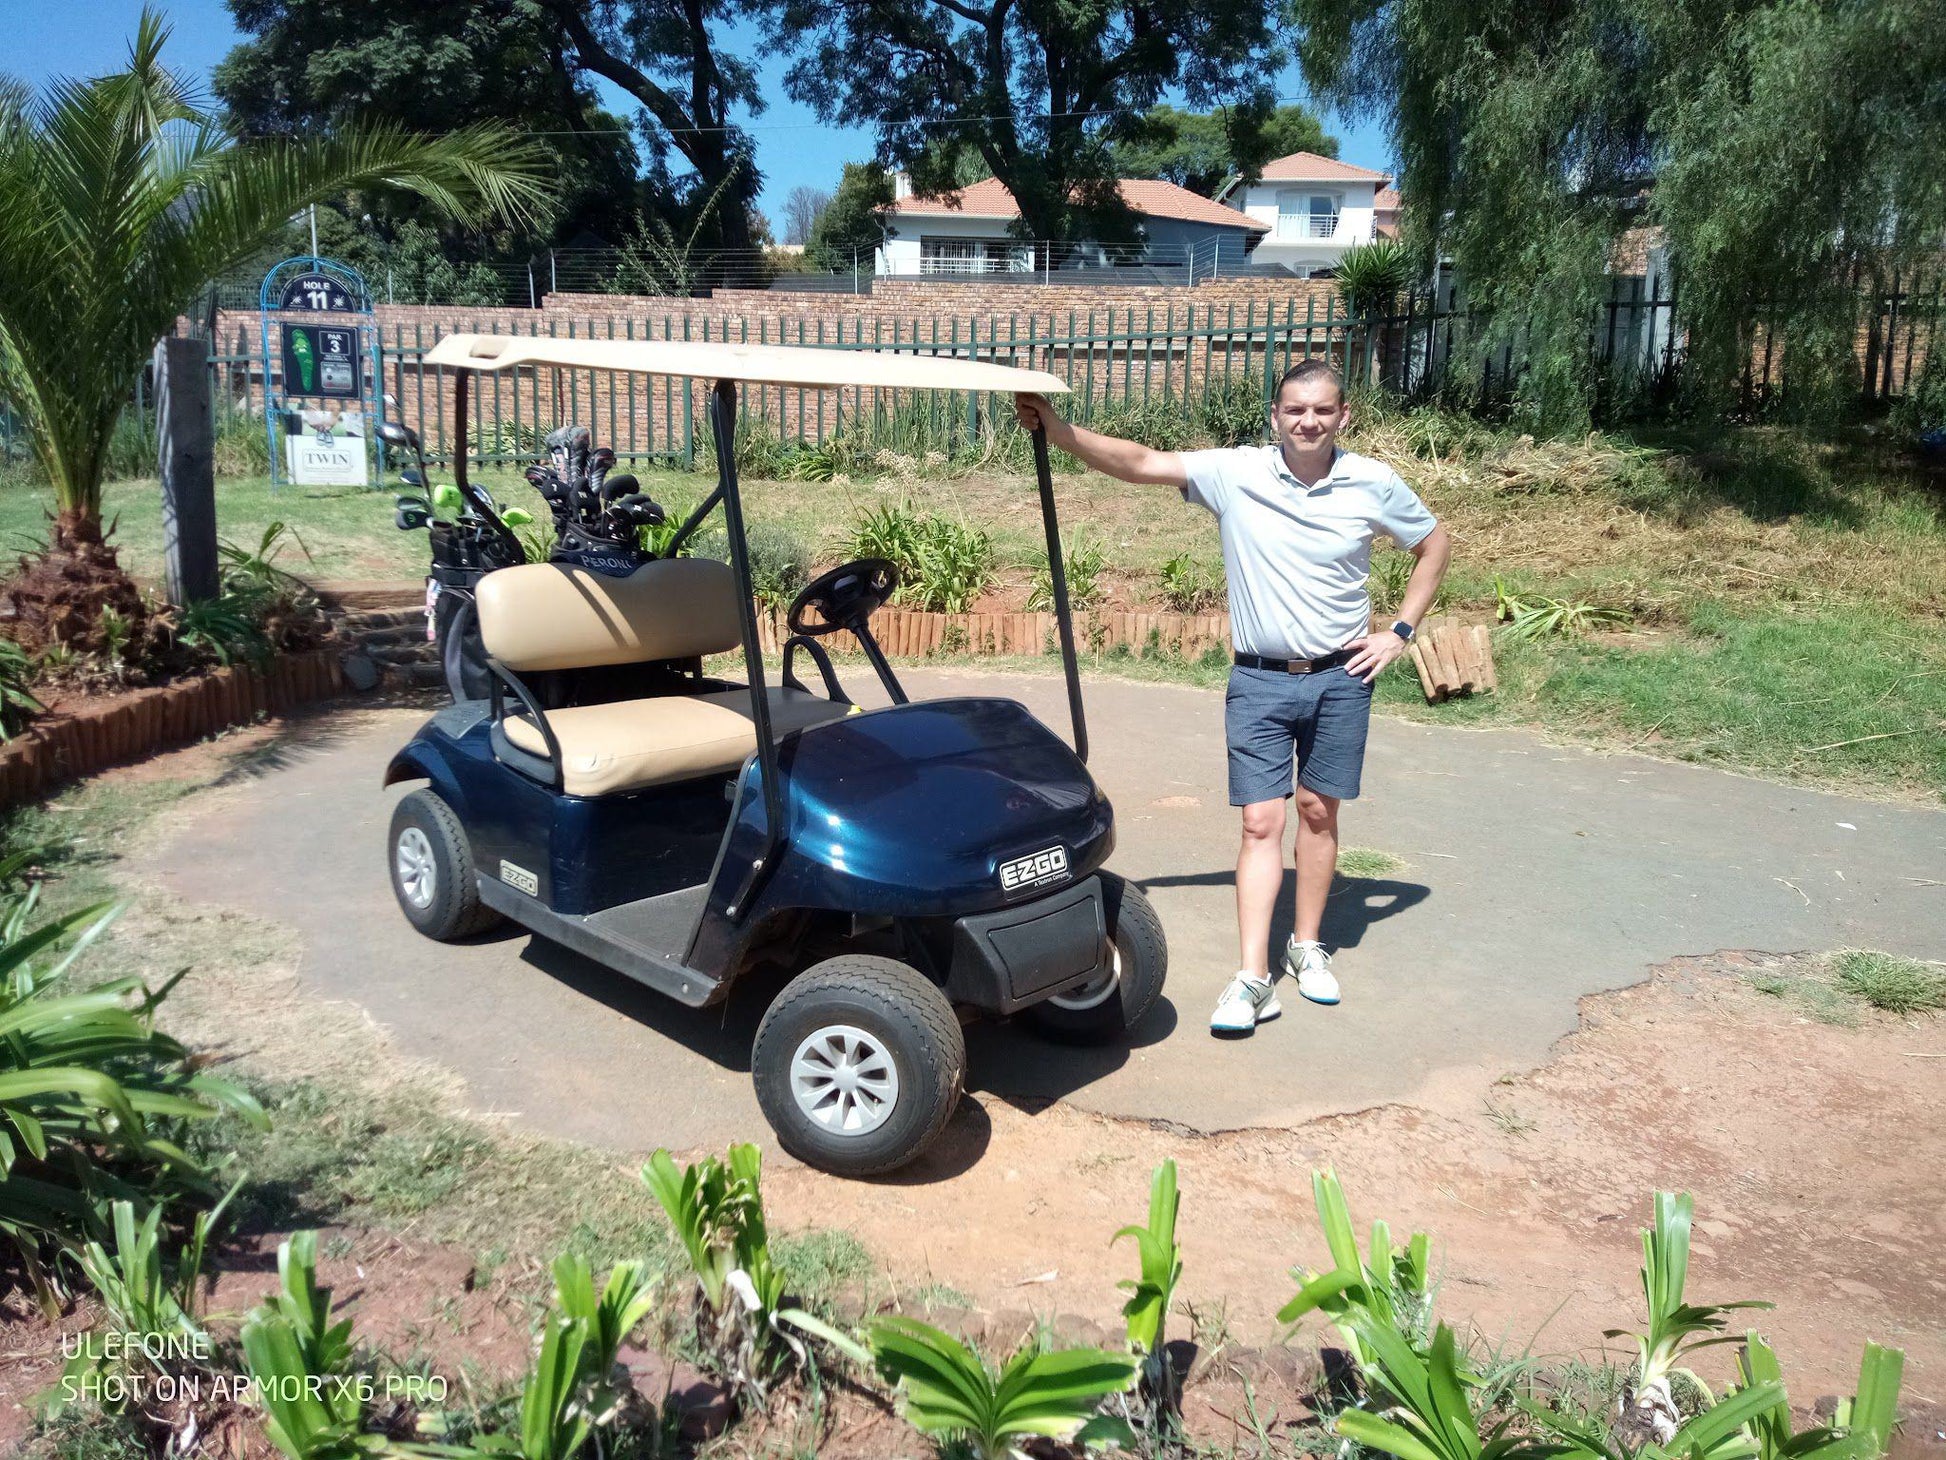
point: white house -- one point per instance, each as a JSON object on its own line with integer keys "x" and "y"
{"x": 1313, "y": 208}
{"x": 969, "y": 232}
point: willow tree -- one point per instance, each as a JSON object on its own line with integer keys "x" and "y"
{"x": 121, "y": 199}
{"x": 1787, "y": 150}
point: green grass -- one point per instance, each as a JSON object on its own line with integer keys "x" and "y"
{"x": 1367, "y": 862}
{"x": 1896, "y": 985}
{"x": 1838, "y": 988}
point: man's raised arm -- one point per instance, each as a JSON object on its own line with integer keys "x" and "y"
{"x": 1129, "y": 460}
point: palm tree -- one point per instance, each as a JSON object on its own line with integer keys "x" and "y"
{"x": 121, "y": 199}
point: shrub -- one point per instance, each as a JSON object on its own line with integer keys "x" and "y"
{"x": 780, "y": 563}
{"x": 1233, "y": 411}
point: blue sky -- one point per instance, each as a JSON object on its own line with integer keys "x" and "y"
{"x": 793, "y": 147}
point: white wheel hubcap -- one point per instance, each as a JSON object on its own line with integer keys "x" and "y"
{"x": 1094, "y": 993}
{"x": 844, "y": 1080}
{"x": 418, "y": 874}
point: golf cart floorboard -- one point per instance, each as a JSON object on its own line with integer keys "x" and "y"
{"x": 631, "y": 938}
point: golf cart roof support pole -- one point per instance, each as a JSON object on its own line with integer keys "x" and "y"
{"x": 1057, "y": 571}
{"x": 723, "y": 415}
{"x": 461, "y": 380}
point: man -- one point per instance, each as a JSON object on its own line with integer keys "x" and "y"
{"x": 1297, "y": 518}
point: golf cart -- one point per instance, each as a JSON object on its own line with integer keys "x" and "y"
{"x": 910, "y": 866}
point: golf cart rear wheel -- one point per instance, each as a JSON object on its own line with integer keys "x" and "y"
{"x": 859, "y": 1064}
{"x": 1110, "y": 1004}
{"x": 432, "y": 870}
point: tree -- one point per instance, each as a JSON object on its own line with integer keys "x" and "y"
{"x": 1034, "y": 91}
{"x": 801, "y": 209}
{"x": 640, "y": 45}
{"x": 433, "y": 66}
{"x": 1203, "y": 150}
{"x": 1785, "y": 147}
{"x": 853, "y": 222}
{"x": 120, "y": 200}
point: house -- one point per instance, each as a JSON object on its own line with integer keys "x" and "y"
{"x": 1313, "y": 208}
{"x": 970, "y": 232}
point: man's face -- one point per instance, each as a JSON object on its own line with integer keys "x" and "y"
{"x": 1309, "y": 414}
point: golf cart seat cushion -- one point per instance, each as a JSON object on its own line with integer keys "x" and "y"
{"x": 636, "y": 743}
{"x": 555, "y": 616}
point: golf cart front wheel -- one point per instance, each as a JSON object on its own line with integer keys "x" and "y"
{"x": 1107, "y": 1006}
{"x": 432, "y": 870}
{"x": 859, "y": 1064}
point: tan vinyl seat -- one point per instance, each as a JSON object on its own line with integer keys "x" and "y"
{"x": 635, "y": 743}
{"x": 541, "y": 616}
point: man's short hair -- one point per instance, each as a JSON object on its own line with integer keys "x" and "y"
{"x": 1315, "y": 368}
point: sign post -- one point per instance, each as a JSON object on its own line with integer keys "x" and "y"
{"x": 186, "y": 449}
{"x": 321, "y": 409}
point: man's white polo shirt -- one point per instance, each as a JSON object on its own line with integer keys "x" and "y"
{"x": 1298, "y": 557}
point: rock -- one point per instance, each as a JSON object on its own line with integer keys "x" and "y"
{"x": 360, "y": 672}
{"x": 704, "y": 1405}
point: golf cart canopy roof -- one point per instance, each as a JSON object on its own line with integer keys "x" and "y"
{"x": 793, "y": 365}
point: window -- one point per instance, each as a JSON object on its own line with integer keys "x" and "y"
{"x": 968, "y": 256}
{"x": 1302, "y": 213}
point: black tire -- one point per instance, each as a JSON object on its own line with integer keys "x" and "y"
{"x": 425, "y": 833}
{"x": 1093, "y": 1015}
{"x": 912, "y": 1027}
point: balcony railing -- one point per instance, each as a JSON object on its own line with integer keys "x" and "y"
{"x": 1307, "y": 225}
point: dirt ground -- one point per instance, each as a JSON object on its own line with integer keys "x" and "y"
{"x": 1814, "y": 1152}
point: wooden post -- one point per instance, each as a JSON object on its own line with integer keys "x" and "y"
{"x": 186, "y": 437}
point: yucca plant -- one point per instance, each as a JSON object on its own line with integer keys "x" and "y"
{"x": 17, "y": 702}
{"x": 1646, "y": 1409}
{"x": 1084, "y": 563}
{"x": 301, "y": 1364}
{"x": 1371, "y": 275}
{"x": 121, "y": 198}
{"x": 951, "y": 1394}
{"x": 1860, "y": 1430}
{"x": 88, "y": 1092}
{"x": 1390, "y": 1286}
{"x": 1538, "y": 616}
{"x": 1146, "y": 1313}
{"x": 141, "y": 1294}
{"x": 716, "y": 1209}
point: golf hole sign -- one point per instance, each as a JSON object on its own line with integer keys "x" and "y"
{"x": 321, "y": 360}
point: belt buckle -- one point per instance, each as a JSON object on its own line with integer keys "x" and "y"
{"x": 1297, "y": 666}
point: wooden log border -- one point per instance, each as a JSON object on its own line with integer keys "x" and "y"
{"x": 905, "y": 633}
{"x": 87, "y": 739}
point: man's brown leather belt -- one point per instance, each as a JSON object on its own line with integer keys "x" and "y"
{"x": 1294, "y": 666}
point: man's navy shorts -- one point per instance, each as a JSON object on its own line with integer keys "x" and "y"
{"x": 1321, "y": 719}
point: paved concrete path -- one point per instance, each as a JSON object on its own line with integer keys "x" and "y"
{"x": 1534, "y": 874}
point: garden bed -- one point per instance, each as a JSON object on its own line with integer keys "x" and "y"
{"x": 82, "y": 735}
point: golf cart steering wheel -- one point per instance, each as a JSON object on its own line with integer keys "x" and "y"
{"x": 847, "y": 595}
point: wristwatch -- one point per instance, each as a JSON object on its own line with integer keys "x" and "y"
{"x": 1403, "y": 630}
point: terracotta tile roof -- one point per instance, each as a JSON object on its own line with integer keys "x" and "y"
{"x": 1149, "y": 197}
{"x": 1386, "y": 200}
{"x": 1309, "y": 167}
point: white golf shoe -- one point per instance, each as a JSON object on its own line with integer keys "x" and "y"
{"x": 1310, "y": 965}
{"x": 1246, "y": 1003}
